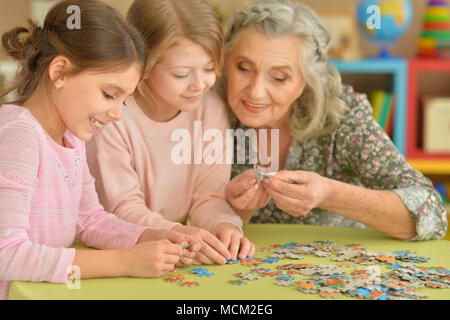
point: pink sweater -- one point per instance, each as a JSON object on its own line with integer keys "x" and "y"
{"x": 47, "y": 201}
{"x": 137, "y": 180}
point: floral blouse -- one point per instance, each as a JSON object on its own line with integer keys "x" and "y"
{"x": 359, "y": 152}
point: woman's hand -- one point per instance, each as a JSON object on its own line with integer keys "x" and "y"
{"x": 212, "y": 249}
{"x": 297, "y": 192}
{"x": 245, "y": 195}
{"x": 232, "y": 237}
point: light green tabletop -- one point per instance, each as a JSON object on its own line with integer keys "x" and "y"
{"x": 218, "y": 288}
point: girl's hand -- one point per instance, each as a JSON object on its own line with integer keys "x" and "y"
{"x": 245, "y": 195}
{"x": 187, "y": 255}
{"x": 211, "y": 251}
{"x": 234, "y": 240}
{"x": 150, "y": 259}
{"x": 297, "y": 192}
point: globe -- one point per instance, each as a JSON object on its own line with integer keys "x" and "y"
{"x": 384, "y": 21}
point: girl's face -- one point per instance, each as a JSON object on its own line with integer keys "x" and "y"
{"x": 182, "y": 76}
{"x": 88, "y": 101}
{"x": 264, "y": 79}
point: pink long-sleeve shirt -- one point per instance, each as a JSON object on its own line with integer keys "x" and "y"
{"x": 137, "y": 176}
{"x": 48, "y": 201}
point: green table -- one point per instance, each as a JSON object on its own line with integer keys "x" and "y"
{"x": 218, "y": 288}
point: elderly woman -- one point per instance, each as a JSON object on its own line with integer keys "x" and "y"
{"x": 337, "y": 167}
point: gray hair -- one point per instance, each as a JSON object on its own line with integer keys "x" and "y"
{"x": 320, "y": 108}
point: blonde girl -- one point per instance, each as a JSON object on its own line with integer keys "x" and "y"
{"x": 133, "y": 160}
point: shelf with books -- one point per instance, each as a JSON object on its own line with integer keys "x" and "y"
{"x": 426, "y": 78}
{"x": 383, "y": 105}
{"x": 387, "y": 86}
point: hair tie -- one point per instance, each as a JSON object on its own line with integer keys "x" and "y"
{"x": 30, "y": 51}
{"x": 37, "y": 34}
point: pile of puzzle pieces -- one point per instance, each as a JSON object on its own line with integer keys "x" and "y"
{"x": 404, "y": 281}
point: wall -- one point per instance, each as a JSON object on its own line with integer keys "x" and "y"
{"x": 406, "y": 46}
{"x": 15, "y": 12}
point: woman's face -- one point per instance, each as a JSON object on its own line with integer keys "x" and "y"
{"x": 264, "y": 79}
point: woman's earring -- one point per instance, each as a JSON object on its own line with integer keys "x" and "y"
{"x": 58, "y": 84}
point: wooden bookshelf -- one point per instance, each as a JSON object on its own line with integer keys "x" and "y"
{"x": 394, "y": 73}
{"x": 426, "y": 77}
